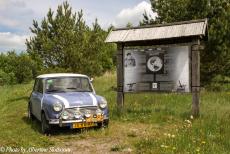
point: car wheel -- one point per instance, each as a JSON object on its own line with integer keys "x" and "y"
{"x": 104, "y": 124}
{"x": 45, "y": 127}
{"x": 30, "y": 114}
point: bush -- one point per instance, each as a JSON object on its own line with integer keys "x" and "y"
{"x": 7, "y": 78}
{"x": 16, "y": 68}
{"x": 219, "y": 83}
{"x": 24, "y": 69}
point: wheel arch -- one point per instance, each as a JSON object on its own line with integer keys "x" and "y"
{"x": 44, "y": 112}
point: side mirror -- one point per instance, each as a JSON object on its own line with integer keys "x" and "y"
{"x": 91, "y": 79}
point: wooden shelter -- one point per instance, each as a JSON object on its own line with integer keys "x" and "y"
{"x": 193, "y": 32}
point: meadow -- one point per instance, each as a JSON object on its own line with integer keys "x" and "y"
{"x": 149, "y": 123}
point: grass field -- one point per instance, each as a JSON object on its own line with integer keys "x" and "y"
{"x": 149, "y": 123}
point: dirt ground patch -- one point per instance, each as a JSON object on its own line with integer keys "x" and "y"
{"x": 95, "y": 145}
{"x": 115, "y": 139}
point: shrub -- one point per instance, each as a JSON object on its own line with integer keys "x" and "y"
{"x": 7, "y": 78}
{"x": 219, "y": 83}
{"x": 16, "y": 68}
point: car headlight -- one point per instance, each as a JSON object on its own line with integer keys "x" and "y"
{"x": 99, "y": 112}
{"x": 65, "y": 115}
{"x": 103, "y": 103}
{"x": 57, "y": 107}
{"x": 87, "y": 113}
{"x": 77, "y": 115}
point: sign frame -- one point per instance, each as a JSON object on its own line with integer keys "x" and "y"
{"x": 189, "y": 45}
{"x": 192, "y": 32}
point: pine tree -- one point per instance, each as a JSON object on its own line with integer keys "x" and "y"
{"x": 64, "y": 42}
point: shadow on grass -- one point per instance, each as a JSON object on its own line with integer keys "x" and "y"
{"x": 35, "y": 124}
{"x": 24, "y": 98}
{"x": 56, "y": 130}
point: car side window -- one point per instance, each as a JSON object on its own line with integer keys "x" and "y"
{"x": 38, "y": 86}
{"x": 85, "y": 84}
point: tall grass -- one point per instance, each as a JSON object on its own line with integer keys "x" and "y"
{"x": 15, "y": 129}
{"x": 171, "y": 114}
{"x": 149, "y": 122}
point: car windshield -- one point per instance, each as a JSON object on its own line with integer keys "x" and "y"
{"x": 68, "y": 84}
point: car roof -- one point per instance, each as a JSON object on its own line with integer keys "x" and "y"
{"x": 53, "y": 75}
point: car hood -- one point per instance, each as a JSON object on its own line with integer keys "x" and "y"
{"x": 73, "y": 99}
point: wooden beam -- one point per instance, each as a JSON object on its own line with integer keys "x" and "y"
{"x": 196, "y": 78}
{"x": 120, "y": 77}
{"x": 170, "y": 41}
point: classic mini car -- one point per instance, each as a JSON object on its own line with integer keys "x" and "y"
{"x": 67, "y": 100}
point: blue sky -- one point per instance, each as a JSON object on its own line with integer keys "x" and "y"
{"x": 16, "y": 16}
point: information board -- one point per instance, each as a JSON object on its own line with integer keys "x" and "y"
{"x": 157, "y": 69}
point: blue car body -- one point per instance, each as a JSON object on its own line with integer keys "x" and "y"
{"x": 77, "y": 107}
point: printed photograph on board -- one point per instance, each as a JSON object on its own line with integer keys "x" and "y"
{"x": 157, "y": 69}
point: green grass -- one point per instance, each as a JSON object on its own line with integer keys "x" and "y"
{"x": 149, "y": 122}
{"x": 15, "y": 128}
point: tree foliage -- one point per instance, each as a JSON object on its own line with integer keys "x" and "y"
{"x": 16, "y": 68}
{"x": 64, "y": 42}
{"x": 215, "y": 60}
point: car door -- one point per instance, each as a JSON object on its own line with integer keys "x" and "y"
{"x": 36, "y": 98}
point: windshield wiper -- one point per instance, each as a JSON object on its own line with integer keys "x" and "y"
{"x": 54, "y": 90}
{"x": 78, "y": 90}
{"x": 71, "y": 88}
{"x": 84, "y": 91}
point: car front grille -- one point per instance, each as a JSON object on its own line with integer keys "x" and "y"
{"x": 82, "y": 110}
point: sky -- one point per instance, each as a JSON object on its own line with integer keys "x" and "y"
{"x": 16, "y": 16}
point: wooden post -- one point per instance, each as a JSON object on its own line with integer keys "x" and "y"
{"x": 120, "y": 77}
{"x": 196, "y": 78}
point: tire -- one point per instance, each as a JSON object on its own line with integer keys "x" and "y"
{"x": 104, "y": 124}
{"x": 45, "y": 126}
{"x": 29, "y": 112}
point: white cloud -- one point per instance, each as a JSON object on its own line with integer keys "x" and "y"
{"x": 133, "y": 15}
{"x": 15, "y": 15}
{"x": 8, "y": 22}
{"x": 10, "y": 41}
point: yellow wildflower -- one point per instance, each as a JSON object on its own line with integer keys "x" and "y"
{"x": 169, "y": 135}
{"x": 188, "y": 121}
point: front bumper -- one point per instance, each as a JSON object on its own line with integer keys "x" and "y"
{"x": 96, "y": 118}
{"x": 63, "y": 123}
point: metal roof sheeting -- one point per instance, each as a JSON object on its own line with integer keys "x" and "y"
{"x": 158, "y": 32}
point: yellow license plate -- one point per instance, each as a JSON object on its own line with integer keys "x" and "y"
{"x": 83, "y": 125}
